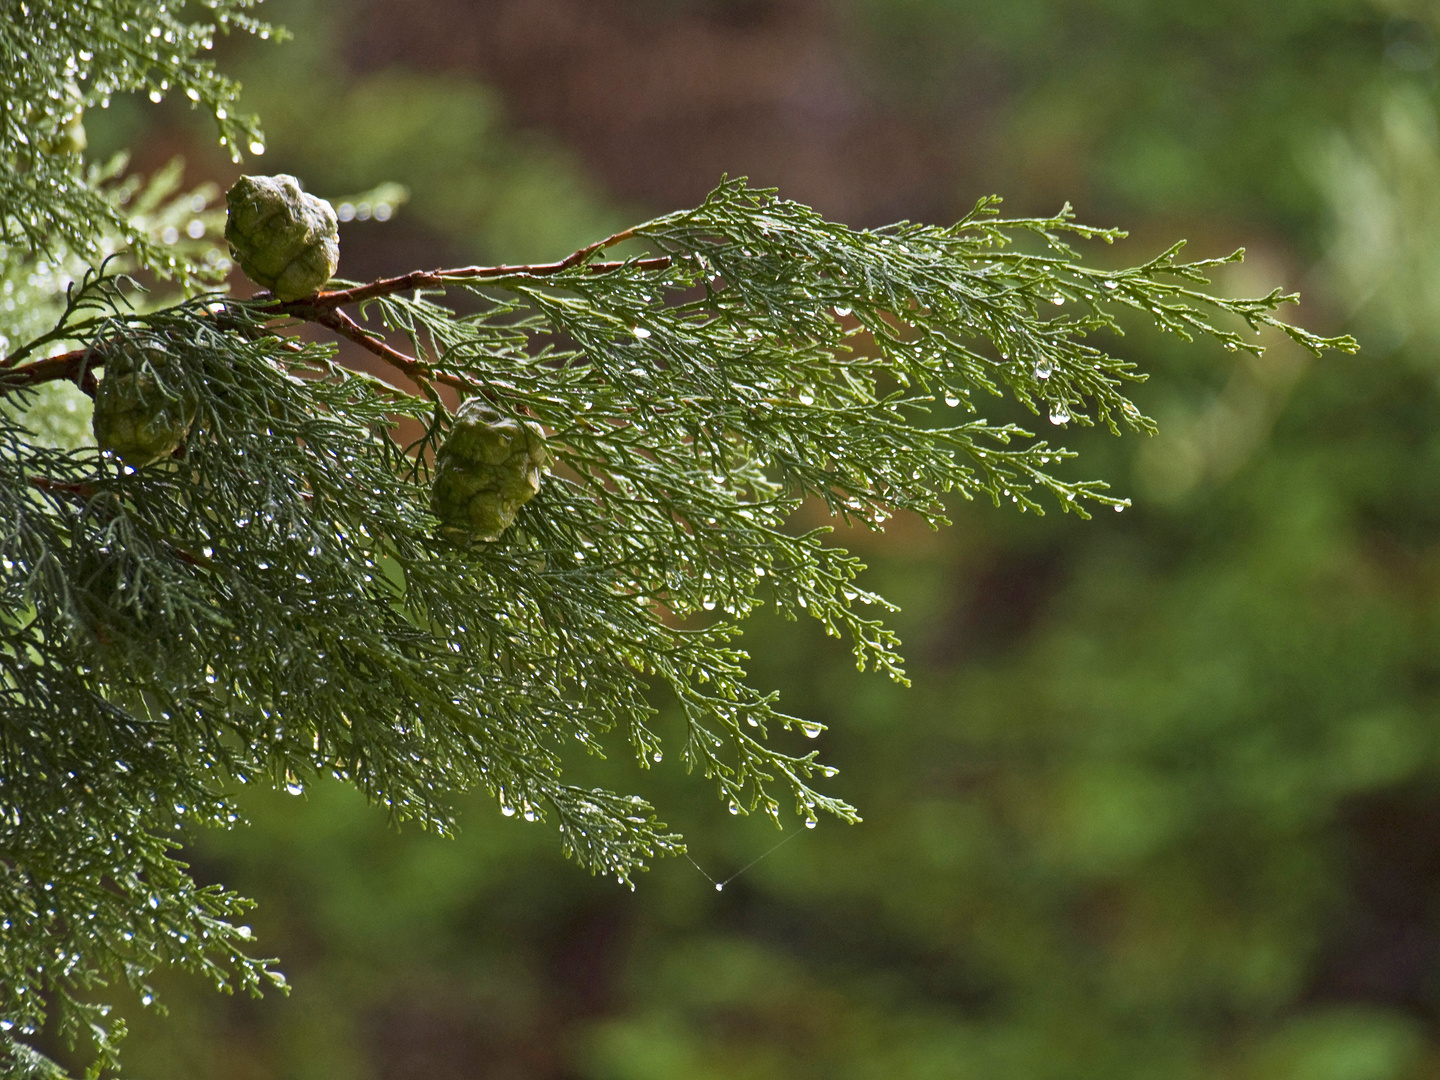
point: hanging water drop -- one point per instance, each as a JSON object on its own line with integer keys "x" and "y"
{"x": 719, "y": 886}
{"x": 951, "y": 399}
{"x": 1043, "y": 369}
{"x": 1059, "y": 414}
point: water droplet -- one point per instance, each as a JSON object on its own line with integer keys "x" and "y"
{"x": 806, "y": 399}
{"x": 810, "y": 823}
{"x": 1110, "y": 284}
{"x": 657, "y": 756}
{"x": 640, "y": 332}
{"x": 156, "y": 96}
{"x": 294, "y": 788}
{"x": 734, "y": 809}
{"x": 1059, "y": 414}
{"x": 951, "y": 399}
{"x": 257, "y": 148}
{"x": 719, "y": 886}
{"x": 508, "y": 811}
{"x": 1057, "y": 299}
{"x": 1043, "y": 369}
{"x": 1120, "y": 507}
{"x": 812, "y": 731}
{"x": 842, "y": 311}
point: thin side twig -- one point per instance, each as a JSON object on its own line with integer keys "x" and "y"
{"x": 417, "y": 279}
{"x": 323, "y": 309}
{"x": 417, "y": 371}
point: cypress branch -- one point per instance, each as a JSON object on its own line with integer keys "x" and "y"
{"x": 276, "y": 601}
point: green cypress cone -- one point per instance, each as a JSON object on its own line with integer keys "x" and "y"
{"x": 142, "y": 409}
{"x": 282, "y": 237}
{"x": 489, "y": 467}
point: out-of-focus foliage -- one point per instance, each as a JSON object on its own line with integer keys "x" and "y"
{"x": 479, "y": 187}
{"x": 1165, "y": 798}
{"x": 1182, "y": 109}
{"x": 64, "y": 57}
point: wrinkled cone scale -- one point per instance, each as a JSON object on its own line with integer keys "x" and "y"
{"x": 142, "y": 410}
{"x": 489, "y": 467}
{"x": 282, "y": 237}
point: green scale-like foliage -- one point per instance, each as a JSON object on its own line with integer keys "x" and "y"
{"x": 276, "y": 599}
{"x": 62, "y": 57}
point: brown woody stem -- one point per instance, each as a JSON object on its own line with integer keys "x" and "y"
{"x": 71, "y": 365}
{"x": 323, "y": 309}
{"x": 417, "y": 279}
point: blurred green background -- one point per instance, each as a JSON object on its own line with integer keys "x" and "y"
{"x": 1164, "y": 800}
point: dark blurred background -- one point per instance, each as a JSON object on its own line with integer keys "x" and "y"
{"x": 1164, "y": 800}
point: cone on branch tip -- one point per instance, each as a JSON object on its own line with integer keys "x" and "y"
{"x": 489, "y": 467}
{"x": 142, "y": 410}
{"x": 284, "y": 238}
